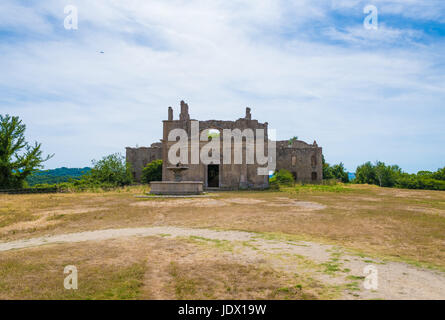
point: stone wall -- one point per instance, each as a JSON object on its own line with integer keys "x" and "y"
{"x": 303, "y": 160}
{"x": 138, "y": 158}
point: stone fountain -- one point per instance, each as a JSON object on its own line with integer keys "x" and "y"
{"x": 178, "y": 186}
{"x": 177, "y": 171}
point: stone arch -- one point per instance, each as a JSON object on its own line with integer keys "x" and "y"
{"x": 214, "y": 132}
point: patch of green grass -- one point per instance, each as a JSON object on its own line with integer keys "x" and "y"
{"x": 224, "y": 245}
{"x": 289, "y": 238}
{"x": 165, "y": 235}
{"x": 330, "y": 267}
{"x": 249, "y": 245}
{"x": 311, "y": 188}
{"x": 353, "y": 286}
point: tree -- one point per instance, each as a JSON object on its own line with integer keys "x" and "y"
{"x": 386, "y": 175}
{"x": 152, "y": 171}
{"x": 366, "y": 174}
{"x": 337, "y": 171}
{"x": 18, "y": 159}
{"x": 327, "y": 172}
{"x": 439, "y": 174}
{"x": 112, "y": 170}
{"x": 379, "y": 174}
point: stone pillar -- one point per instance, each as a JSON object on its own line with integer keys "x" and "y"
{"x": 184, "y": 111}
{"x": 170, "y": 114}
{"x": 248, "y": 114}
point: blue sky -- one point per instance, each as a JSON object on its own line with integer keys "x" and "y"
{"x": 309, "y": 68}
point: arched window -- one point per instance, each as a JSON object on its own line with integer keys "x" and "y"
{"x": 213, "y": 133}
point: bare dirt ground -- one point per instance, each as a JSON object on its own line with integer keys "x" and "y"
{"x": 302, "y": 243}
{"x": 395, "y": 280}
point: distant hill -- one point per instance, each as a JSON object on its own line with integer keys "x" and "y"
{"x": 56, "y": 175}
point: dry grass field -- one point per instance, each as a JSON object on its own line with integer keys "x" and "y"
{"x": 306, "y": 242}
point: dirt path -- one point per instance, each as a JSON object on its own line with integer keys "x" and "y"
{"x": 329, "y": 264}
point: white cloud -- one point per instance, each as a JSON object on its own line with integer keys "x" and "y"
{"x": 384, "y": 35}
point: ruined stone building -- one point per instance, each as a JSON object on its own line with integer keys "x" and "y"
{"x": 303, "y": 160}
{"x": 139, "y": 157}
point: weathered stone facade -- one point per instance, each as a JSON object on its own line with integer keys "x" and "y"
{"x": 302, "y": 159}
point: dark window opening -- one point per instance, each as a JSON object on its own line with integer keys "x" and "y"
{"x": 314, "y": 176}
{"x": 295, "y": 175}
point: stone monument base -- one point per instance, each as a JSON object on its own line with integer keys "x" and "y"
{"x": 176, "y": 187}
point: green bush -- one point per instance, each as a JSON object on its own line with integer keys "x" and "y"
{"x": 281, "y": 178}
{"x": 412, "y": 181}
{"x": 152, "y": 171}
